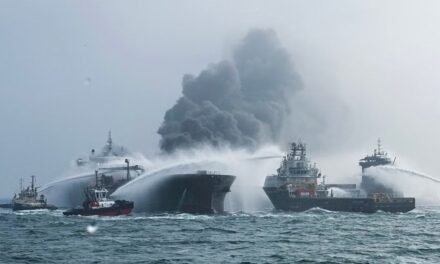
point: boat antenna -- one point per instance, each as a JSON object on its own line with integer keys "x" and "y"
{"x": 96, "y": 178}
{"x": 33, "y": 181}
{"x": 378, "y": 146}
{"x": 128, "y": 169}
{"x": 21, "y": 183}
{"x": 109, "y": 141}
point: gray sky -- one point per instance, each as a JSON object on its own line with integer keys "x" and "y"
{"x": 72, "y": 70}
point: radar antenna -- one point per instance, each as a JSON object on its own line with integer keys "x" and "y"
{"x": 379, "y": 151}
{"x": 109, "y": 140}
{"x": 21, "y": 184}
{"x": 33, "y": 182}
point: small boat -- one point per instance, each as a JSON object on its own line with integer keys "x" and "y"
{"x": 28, "y": 199}
{"x": 98, "y": 202}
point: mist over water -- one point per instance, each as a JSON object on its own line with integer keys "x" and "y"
{"x": 424, "y": 188}
{"x": 249, "y": 168}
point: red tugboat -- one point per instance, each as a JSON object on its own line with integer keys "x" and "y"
{"x": 98, "y": 203}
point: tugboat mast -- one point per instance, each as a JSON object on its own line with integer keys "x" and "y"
{"x": 96, "y": 179}
{"x": 33, "y": 181}
{"x": 379, "y": 151}
{"x": 109, "y": 141}
{"x": 21, "y": 184}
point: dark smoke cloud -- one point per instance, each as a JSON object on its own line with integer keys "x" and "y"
{"x": 242, "y": 102}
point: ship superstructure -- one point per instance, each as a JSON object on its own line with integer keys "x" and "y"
{"x": 113, "y": 164}
{"x": 369, "y": 184}
{"x": 387, "y": 199}
{"x": 109, "y": 153}
{"x": 296, "y": 173}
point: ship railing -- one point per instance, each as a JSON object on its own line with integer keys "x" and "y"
{"x": 207, "y": 172}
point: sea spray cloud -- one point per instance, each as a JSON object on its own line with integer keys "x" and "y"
{"x": 241, "y": 102}
{"x": 246, "y": 192}
{"x": 408, "y": 182}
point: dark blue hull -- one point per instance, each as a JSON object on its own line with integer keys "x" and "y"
{"x": 281, "y": 200}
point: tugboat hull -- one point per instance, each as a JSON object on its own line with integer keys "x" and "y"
{"x": 20, "y": 207}
{"x": 120, "y": 208}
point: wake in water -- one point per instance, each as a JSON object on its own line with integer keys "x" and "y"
{"x": 423, "y": 187}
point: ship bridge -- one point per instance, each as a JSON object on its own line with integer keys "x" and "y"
{"x": 378, "y": 158}
{"x": 296, "y": 163}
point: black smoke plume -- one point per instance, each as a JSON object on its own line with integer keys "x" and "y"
{"x": 241, "y": 102}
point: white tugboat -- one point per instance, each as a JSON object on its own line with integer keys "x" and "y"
{"x": 28, "y": 199}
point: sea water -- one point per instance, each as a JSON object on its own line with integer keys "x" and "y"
{"x": 314, "y": 236}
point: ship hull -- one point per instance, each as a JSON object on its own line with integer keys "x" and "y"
{"x": 397, "y": 205}
{"x": 119, "y": 208}
{"x": 282, "y": 201}
{"x": 189, "y": 193}
{"x": 22, "y": 206}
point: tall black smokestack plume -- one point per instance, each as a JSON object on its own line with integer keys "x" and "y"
{"x": 241, "y": 102}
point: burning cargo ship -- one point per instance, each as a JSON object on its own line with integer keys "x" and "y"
{"x": 295, "y": 188}
{"x": 190, "y": 192}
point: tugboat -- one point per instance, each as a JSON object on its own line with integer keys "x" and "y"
{"x": 387, "y": 199}
{"x": 98, "y": 202}
{"x": 295, "y": 187}
{"x": 28, "y": 199}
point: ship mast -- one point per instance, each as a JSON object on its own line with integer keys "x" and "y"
{"x": 379, "y": 151}
{"x": 109, "y": 141}
{"x": 33, "y": 181}
{"x": 96, "y": 179}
